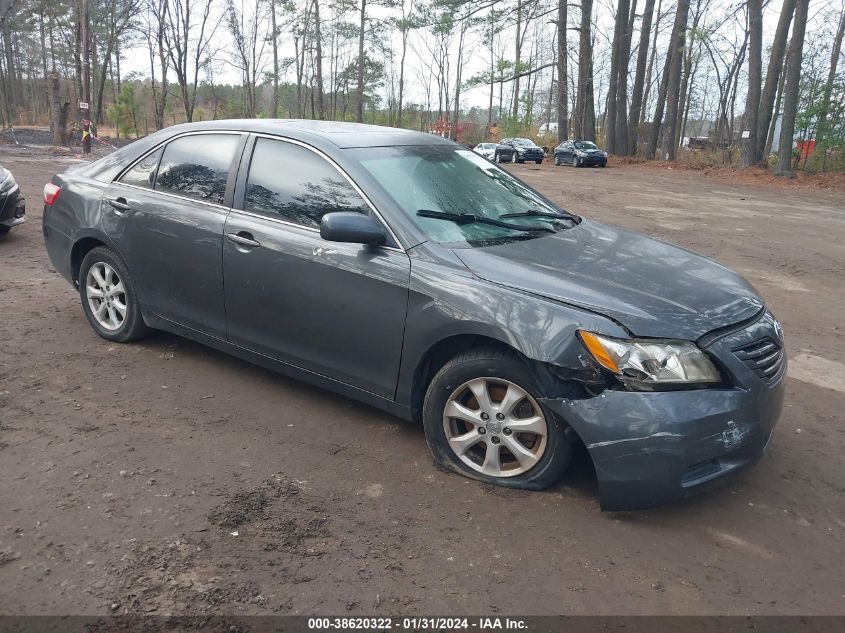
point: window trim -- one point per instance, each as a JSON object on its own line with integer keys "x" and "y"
{"x": 246, "y": 163}
{"x": 236, "y": 161}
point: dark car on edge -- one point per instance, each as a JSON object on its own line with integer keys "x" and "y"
{"x": 580, "y": 154}
{"x": 405, "y": 271}
{"x": 12, "y": 205}
{"x": 518, "y": 150}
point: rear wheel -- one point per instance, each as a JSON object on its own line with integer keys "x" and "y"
{"x": 109, "y": 299}
{"x": 483, "y": 420}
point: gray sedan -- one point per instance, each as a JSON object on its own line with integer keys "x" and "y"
{"x": 408, "y": 272}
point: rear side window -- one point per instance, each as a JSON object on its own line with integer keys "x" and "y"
{"x": 144, "y": 172}
{"x": 292, "y": 183}
{"x": 197, "y": 166}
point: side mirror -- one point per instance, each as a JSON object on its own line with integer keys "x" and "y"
{"x": 346, "y": 226}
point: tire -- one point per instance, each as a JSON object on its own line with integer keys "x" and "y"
{"x": 557, "y": 160}
{"x": 539, "y": 161}
{"x": 4, "y": 229}
{"x": 497, "y": 158}
{"x": 575, "y": 161}
{"x": 121, "y": 325}
{"x": 544, "y": 458}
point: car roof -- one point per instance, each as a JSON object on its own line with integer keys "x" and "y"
{"x": 324, "y": 135}
{"x": 339, "y": 133}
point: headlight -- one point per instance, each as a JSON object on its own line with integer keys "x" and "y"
{"x": 580, "y": 153}
{"x": 651, "y": 361}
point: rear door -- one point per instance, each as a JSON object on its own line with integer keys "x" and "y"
{"x": 333, "y": 308}
{"x": 166, "y": 216}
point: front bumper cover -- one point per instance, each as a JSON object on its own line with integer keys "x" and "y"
{"x": 650, "y": 448}
{"x": 12, "y": 208}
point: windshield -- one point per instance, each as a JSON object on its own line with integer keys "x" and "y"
{"x": 443, "y": 178}
{"x": 585, "y": 145}
{"x": 524, "y": 142}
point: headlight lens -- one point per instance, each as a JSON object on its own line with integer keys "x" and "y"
{"x": 651, "y": 361}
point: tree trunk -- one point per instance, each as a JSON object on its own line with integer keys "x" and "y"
{"x": 85, "y": 36}
{"x": 670, "y": 87}
{"x": 616, "y": 45}
{"x": 359, "y": 111}
{"x": 791, "y": 90}
{"x": 773, "y": 79}
{"x": 517, "y": 60}
{"x": 650, "y": 70}
{"x": 56, "y": 110}
{"x": 318, "y": 47}
{"x": 770, "y": 136}
{"x": 586, "y": 109}
{"x": 274, "y": 102}
{"x": 639, "y": 79}
{"x": 622, "y": 82}
{"x": 750, "y": 145}
{"x": 562, "y": 81}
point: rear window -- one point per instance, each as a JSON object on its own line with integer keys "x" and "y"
{"x": 197, "y": 166}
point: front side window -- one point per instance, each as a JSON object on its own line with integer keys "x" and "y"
{"x": 292, "y": 183}
{"x": 446, "y": 179}
{"x": 144, "y": 172}
{"x": 197, "y": 166}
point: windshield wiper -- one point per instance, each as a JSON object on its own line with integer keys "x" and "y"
{"x": 534, "y": 213}
{"x": 471, "y": 218}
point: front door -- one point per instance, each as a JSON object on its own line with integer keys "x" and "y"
{"x": 166, "y": 217}
{"x": 335, "y": 309}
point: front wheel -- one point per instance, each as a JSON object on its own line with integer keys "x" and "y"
{"x": 575, "y": 162}
{"x": 497, "y": 157}
{"x": 514, "y": 159}
{"x": 109, "y": 299}
{"x": 557, "y": 160}
{"x": 539, "y": 161}
{"x": 482, "y": 419}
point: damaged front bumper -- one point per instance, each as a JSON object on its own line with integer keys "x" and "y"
{"x": 12, "y": 208}
{"x": 651, "y": 448}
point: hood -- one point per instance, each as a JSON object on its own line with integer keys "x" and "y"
{"x": 652, "y": 288}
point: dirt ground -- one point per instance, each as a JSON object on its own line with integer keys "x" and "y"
{"x": 164, "y": 477}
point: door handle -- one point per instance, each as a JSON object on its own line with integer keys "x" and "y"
{"x": 119, "y": 205}
{"x": 243, "y": 239}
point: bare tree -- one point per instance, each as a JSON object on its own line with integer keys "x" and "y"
{"x": 562, "y": 96}
{"x": 639, "y": 78}
{"x": 585, "y": 121}
{"x": 755, "y": 71}
{"x": 773, "y": 79}
{"x": 791, "y": 90}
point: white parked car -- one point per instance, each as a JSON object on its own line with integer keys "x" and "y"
{"x": 487, "y": 150}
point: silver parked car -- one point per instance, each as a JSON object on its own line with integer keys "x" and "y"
{"x": 406, "y": 271}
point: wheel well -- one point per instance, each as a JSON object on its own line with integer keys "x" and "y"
{"x": 438, "y": 355}
{"x": 78, "y": 253}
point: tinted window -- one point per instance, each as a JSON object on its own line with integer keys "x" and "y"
{"x": 197, "y": 166}
{"x": 143, "y": 173}
{"x": 293, "y": 183}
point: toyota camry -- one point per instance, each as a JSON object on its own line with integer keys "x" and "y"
{"x": 406, "y": 271}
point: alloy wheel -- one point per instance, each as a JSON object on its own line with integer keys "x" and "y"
{"x": 106, "y": 296}
{"x": 495, "y": 427}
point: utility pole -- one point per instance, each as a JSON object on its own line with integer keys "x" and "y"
{"x": 85, "y": 104}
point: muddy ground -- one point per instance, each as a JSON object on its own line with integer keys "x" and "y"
{"x": 163, "y": 477}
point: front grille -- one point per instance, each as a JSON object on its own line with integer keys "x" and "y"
{"x": 764, "y": 357}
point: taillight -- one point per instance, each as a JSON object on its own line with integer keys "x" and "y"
{"x": 51, "y": 194}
